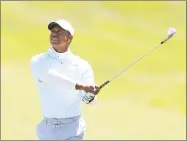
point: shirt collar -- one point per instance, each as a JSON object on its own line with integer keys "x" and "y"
{"x": 64, "y": 57}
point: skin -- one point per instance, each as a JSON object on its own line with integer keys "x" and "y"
{"x": 60, "y": 40}
{"x": 88, "y": 88}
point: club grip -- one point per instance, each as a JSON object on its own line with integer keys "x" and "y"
{"x": 104, "y": 84}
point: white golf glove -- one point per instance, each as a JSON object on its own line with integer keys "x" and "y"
{"x": 88, "y": 98}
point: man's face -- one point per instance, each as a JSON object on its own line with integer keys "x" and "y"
{"x": 59, "y": 37}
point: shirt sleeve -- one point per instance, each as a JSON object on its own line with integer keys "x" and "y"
{"x": 88, "y": 79}
{"x": 43, "y": 73}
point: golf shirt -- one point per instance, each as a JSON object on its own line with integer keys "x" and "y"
{"x": 56, "y": 75}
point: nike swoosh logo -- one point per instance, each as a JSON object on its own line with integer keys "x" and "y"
{"x": 40, "y": 81}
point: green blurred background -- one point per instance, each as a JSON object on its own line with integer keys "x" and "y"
{"x": 147, "y": 102}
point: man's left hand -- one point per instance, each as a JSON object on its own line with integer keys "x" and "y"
{"x": 88, "y": 97}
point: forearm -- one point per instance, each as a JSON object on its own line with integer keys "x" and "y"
{"x": 78, "y": 86}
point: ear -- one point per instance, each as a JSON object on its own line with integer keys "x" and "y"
{"x": 70, "y": 38}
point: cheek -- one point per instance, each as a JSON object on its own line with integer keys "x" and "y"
{"x": 63, "y": 38}
{"x": 50, "y": 36}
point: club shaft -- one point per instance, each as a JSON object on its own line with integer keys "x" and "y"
{"x": 134, "y": 62}
{"x": 116, "y": 75}
{"x": 131, "y": 64}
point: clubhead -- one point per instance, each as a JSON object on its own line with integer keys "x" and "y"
{"x": 171, "y": 31}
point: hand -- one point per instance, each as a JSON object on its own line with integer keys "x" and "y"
{"x": 88, "y": 98}
{"x": 96, "y": 90}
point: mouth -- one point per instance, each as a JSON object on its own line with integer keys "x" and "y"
{"x": 54, "y": 39}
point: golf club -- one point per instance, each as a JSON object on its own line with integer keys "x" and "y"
{"x": 171, "y": 32}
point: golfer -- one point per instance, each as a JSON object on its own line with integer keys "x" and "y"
{"x": 64, "y": 80}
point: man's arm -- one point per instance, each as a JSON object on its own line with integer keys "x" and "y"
{"x": 44, "y": 74}
{"x": 88, "y": 79}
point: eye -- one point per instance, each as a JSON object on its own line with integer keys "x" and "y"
{"x": 60, "y": 31}
{"x": 53, "y": 31}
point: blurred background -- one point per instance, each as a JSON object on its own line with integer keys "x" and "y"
{"x": 148, "y": 101}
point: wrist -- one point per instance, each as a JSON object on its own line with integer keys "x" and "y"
{"x": 78, "y": 87}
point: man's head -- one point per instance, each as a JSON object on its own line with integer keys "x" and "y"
{"x": 61, "y": 35}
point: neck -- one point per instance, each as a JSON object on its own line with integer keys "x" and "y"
{"x": 60, "y": 50}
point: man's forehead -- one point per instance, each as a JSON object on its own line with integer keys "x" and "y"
{"x": 56, "y": 27}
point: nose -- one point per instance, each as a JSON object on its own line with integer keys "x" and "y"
{"x": 53, "y": 33}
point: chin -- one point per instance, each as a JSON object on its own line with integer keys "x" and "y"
{"x": 55, "y": 44}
